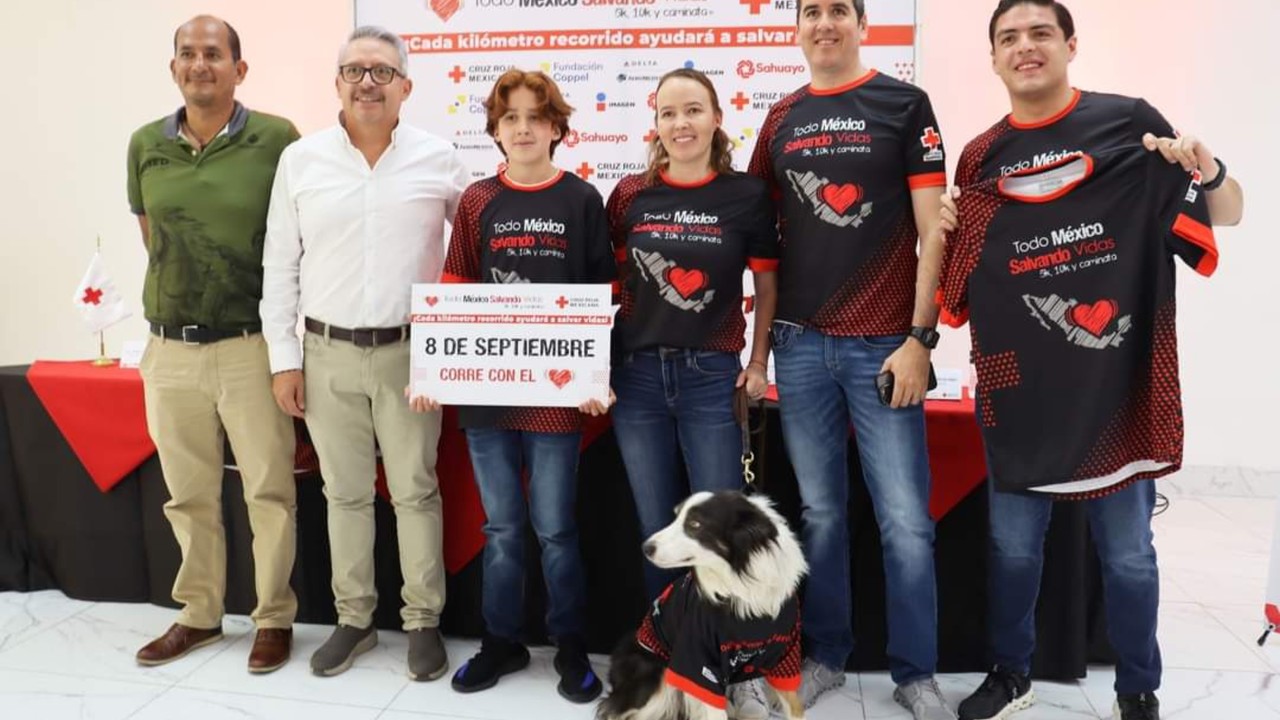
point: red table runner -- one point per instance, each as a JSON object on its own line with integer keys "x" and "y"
{"x": 100, "y": 412}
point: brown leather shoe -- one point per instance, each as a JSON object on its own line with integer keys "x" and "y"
{"x": 177, "y": 641}
{"x": 271, "y": 648}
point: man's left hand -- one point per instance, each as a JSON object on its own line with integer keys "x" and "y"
{"x": 1187, "y": 151}
{"x": 910, "y": 367}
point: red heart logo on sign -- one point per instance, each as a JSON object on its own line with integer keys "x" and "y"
{"x": 445, "y": 8}
{"x": 1094, "y": 318}
{"x": 841, "y": 197}
{"x": 560, "y": 378}
{"x": 686, "y": 282}
{"x": 432, "y": 300}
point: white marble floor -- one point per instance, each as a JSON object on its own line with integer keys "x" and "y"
{"x": 63, "y": 658}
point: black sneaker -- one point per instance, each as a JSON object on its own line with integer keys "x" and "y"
{"x": 1002, "y": 694}
{"x": 578, "y": 682}
{"x": 497, "y": 657}
{"x": 1143, "y": 706}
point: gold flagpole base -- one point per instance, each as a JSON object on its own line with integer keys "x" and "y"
{"x": 103, "y": 362}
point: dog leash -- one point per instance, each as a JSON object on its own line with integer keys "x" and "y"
{"x": 742, "y": 412}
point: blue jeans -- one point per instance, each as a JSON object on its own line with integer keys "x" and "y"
{"x": 675, "y": 403}
{"x": 823, "y": 383}
{"x": 1121, "y": 528}
{"x": 497, "y": 457}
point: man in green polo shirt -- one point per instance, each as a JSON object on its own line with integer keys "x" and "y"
{"x": 199, "y": 183}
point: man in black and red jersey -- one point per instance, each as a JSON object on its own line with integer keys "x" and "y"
{"x": 1087, "y": 337}
{"x": 854, "y": 160}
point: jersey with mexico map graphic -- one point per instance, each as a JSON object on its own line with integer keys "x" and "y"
{"x": 506, "y": 233}
{"x": 681, "y": 251}
{"x": 707, "y": 647}
{"x": 842, "y": 164}
{"x": 1066, "y": 276}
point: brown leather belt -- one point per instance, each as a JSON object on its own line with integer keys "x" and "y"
{"x": 360, "y": 337}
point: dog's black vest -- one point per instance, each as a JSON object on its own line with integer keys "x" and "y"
{"x": 707, "y": 647}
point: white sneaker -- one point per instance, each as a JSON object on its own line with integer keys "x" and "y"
{"x": 924, "y": 700}
{"x": 747, "y": 701}
{"x": 816, "y": 679}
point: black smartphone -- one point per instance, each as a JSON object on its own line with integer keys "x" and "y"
{"x": 884, "y": 385}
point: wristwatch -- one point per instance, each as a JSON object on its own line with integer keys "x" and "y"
{"x": 926, "y": 335}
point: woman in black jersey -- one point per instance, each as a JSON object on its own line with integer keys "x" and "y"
{"x": 527, "y": 117}
{"x": 683, "y": 233}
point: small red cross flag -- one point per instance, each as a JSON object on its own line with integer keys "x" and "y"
{"x": 97, "y": 299}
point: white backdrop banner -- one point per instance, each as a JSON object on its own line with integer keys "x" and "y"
{"x": 607, "y": 56}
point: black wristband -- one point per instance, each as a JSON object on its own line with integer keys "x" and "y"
{"x": 1219, "y": 179}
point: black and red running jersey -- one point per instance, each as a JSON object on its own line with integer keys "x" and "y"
{"x": 1091, "y": 123}
{"x": 549, "y": 233}
{"x": 1066, "y": 276}
{"x": 708, "y": 648}
{"x": 681, "y": 251}
{"x": 842, "y": 164}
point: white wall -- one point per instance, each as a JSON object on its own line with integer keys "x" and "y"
{"x": 90, "y": 71}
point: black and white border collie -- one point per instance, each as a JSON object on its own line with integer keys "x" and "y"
{"x": 745, "y": 568}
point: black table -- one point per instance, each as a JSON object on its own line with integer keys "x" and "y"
{"x": 58, "y": 531}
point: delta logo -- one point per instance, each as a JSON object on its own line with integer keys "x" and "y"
{"x": 748, "y": 69}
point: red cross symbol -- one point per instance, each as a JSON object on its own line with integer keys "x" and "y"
{"x": 739, "y": 101}
{"x": 755, "y": 5}
{"x": 585, "y": 171}
{"x": 931, "y": 139}
{"x": 457, "y": 74}
{"x": 649, "y": 136}
{"x": 561, "y": 301}
{"x": 92, "y": 296}
{"x": 1001, "y": 372}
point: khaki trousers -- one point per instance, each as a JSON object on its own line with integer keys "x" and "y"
{"x": 354, "y": 400}
{"x": 195, "y": 394}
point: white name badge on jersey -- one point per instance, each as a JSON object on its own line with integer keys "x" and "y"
{"x": 530, "y": 345}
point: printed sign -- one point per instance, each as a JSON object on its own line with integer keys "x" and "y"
{"x": 527, "y": 345}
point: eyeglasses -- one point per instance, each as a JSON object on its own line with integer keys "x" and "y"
{"x": 381, "y": 74}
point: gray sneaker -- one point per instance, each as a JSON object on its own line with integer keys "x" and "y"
{"x": 747, "y": 701}
{"x": 924, "y": 700}
{"x": 427, "y": 658}
{"x": 816, "y": 679}
{"x": 340, "y": 650}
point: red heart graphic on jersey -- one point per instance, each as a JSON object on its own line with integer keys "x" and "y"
{"x": 841, "y": 197}
{"x": 560, "y": 378}
{"x": 686, "y": 282}
{"x": 1094, "y": 318}
{"x": 445, "y": 8}
{"x": 432, "y": 300}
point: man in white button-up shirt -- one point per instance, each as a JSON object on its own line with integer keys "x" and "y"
{"x": 357, "y": 216}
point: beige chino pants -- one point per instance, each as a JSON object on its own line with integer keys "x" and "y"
{"x": 354, "y": 399}
{"x": 195, "y": 394}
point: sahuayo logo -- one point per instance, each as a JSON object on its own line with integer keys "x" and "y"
{"x": 573, "y": 138}
{"x": 749, "y": 68}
